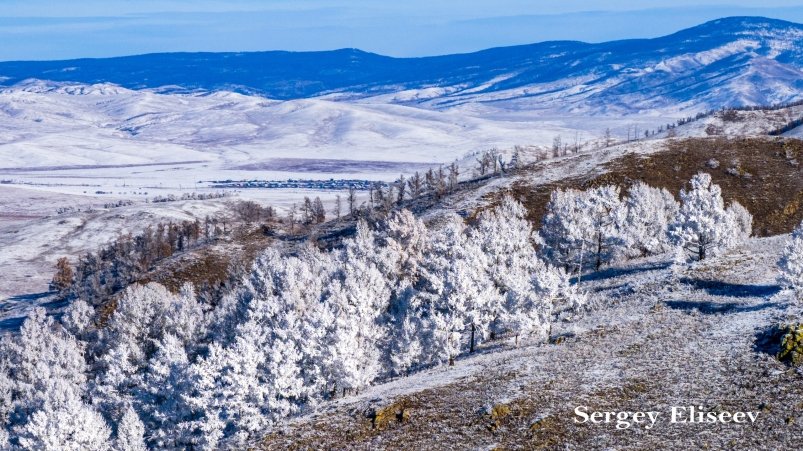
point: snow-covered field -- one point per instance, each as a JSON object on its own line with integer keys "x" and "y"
{"x": 795, "y": 133}
{"x": 45, "y": 125}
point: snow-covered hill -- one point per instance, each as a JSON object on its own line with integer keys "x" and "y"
{"x": 736, "y": 123}
{"x": 47, "y": 124}
{"x": 727, "y": 62}
{"x": 795, "y": 133}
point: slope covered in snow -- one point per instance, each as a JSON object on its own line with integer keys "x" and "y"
{"x": 736, "y": 123}
{"x": 795, "y": 133}
{"x": 46, "y": 124}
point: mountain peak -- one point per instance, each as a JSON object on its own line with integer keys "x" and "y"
{"x": 741, "y": 25}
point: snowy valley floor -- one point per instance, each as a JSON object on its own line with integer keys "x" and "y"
{"x": 653, "y": 339}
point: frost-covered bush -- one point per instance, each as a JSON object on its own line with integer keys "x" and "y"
{"x": 702, "y": 226}
{"x": 743, "y": 218}
{"x": 43, "y": 378}
{"x": 791, "y": 261}
{"x": 649, "y": 211}
{"x": 583, "y": 229}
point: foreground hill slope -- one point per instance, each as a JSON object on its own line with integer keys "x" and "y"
{"x": 653, "y": 339}
{"x": 727, "y": 62}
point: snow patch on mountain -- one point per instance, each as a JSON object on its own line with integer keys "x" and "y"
{"x": 704, "y": 58}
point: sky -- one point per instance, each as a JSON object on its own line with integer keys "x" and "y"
{"x": 51, "y": 29}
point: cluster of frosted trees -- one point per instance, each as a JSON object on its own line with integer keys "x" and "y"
{"x": 587, "y": 229}
{"x": 168, "y": 370}
{"x": 299, "y": 330}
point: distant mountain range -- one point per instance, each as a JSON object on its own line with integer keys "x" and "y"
{"x": 727, "y": 62}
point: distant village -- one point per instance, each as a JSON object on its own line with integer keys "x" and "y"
{"x": 331, "y": 184}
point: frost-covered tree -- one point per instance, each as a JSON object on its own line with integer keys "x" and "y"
{"x": 296, "y": 313}
{"x": 358, "y": 299}
{"x": 743, "y": 218}
{"x": 42, "y": 359}
{"x": 649, "y": 212}
{"x": 791, "y": 261}
{"x": 565, "y": 230}
{"x": 505, "y": 239}
{"x": 241, "y": 392}
{"x": 530, "y": 310}
{"x": 462, "y": 299}
{"x": 130, "y": 432}
{"x": 407, "y": 345}
{"x": 607, "y": 213}
{"x": 471, "y": 299}
{"x": 404, "y": 240}
{"x": 78, "y": 318}
{"x": 43, "y": 382}
{"x": 125, "y": 349}
{"x": 448, "y": 326}
{"x": 161, "y": 392}
{"x": 352, "y": 361}
{"x": 207, "y": 398}
{"x": 283, "y": 371}
{"x": 583, "y": 228}
{"x": 703, "y": 227}
{"x": 64, "y": 423}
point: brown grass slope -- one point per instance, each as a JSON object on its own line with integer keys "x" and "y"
{"x": 763, "y": 174}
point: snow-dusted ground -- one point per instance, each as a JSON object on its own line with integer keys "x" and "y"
{"x": 742, "y": 123}
{"x": 654, "y": 338}
{"x": 795, "y": 133}
{"x": 45, "y": 125}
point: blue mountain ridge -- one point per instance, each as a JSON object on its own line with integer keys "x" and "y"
{"x": 608, "y": 71}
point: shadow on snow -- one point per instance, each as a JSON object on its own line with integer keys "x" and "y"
{"x": 717, "y": 288}
{"x": 610, "y": 273}
{"x": 718, "y": 308}
{"x": 32, "y": 300}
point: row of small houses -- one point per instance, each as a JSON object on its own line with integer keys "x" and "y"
{"x": 331, "y": 184}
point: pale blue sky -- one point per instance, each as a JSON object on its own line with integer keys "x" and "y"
{"x": 50, "y": 29}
